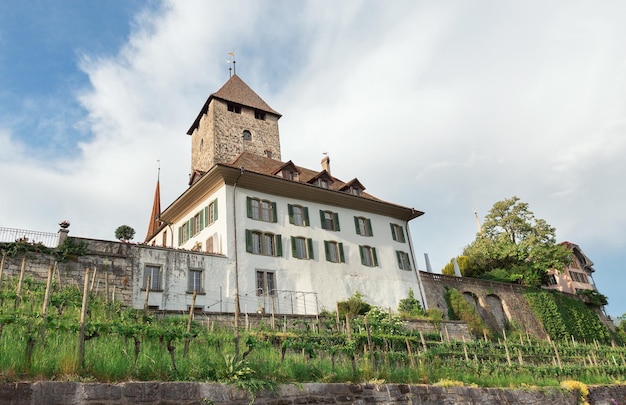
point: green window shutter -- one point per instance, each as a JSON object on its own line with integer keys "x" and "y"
{"x": 189, "y": 228}
{"x": 290, "y": 211}
{"x": 294, "y": 250}
{"x": 249, "y": 207}
{"x": 336, "y": 216}
{"x": 362, "y": 254}
{"x": 215, "y": 209}
{"x": 274, "y": 215}
{"x": 356, "y": 225}
{"x": 374, "y": 256}
{"x": 402, "y": 233}
{"x": 202, "y": 218}
{"x": 279, "y": 245}
{"x": 180, "y": 235}
{"x": 327, "y": 250}
{"x": 309, "y": 242}
{"x": 342, "y": 258}
{"x": 248, "y": 241}
{"x": 408, "y": 262}
{"x": 306, "y": 216}
{"x": 322, "y": 219}
{"x": 393, "y": 234}
{"x": 398, "y": 258}
{"x": 369, "y": 227}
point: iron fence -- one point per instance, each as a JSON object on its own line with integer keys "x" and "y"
{"x": 47, "y": 239}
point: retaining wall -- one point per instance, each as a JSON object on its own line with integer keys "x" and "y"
{"x": 189, "y": 393}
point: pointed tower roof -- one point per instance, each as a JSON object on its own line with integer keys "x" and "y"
{"x": 155, "y": 222}
{"x": 236, "y": 91}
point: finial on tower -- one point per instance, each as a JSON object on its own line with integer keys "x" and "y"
{"x": 231, "y": 69}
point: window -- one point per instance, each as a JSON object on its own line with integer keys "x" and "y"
{"x": 211, "y": 212}
{"x": 301, "y": 248}
{"x": 578, "y": 277}
{"x": 330, "y": 220}
{"x": 234, "y": 108}
{"x": 198, "y": 222}
{"x": 259, "y": 115}
{"x": 334, "y": 251}
{"x": 209, "y": 245}
{"x": 552, "y": 279}
{"x": 363, "y": 226}
{"x": 355, "y": 191}
{"x": 266, "y": 244}
{"x": 261, "y": 210}
{"x": 290, "y": 175}
{"x": 323, "y": 183}
{"x": 368, "y": 256}
{"x": 164, "y": 241}
{"x": 265, "y": 283}
{"x": 404, "y": 262}
{"x": 246, "y": 135}
{"x": 195, "y": 282}
{"x": 268, "y": 153}
{"x": 298, "y": 215}
{"x": 152, "y": 277}
{"x": 397, "y": 233}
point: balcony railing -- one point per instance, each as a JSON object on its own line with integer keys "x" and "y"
{"x": 47, "y": 239}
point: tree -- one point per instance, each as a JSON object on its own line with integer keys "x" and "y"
{"x": 124, "y": 233}
{"x": 448, "y": 269}
{"x": 515, "y": 246}
{"x": 410, "y": 306}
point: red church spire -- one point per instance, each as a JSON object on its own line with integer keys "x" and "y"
{"x": 155, "y": 221}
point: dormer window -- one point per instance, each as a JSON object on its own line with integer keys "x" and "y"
{"x": 259, "y": 115}
{"x": 323, "y": 183}
{"x": 234, "y": 108}
{"x": 290, "y": 175}
{"x": 355, "y": 191}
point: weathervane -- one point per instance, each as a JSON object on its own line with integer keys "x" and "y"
{"x": 231, "y": 69}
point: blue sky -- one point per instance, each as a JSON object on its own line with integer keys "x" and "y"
{"x": 447, "y": 107}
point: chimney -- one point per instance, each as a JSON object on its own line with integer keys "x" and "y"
{"x": 326, "y": 163}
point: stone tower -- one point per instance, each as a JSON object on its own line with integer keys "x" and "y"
{"x": 233, "y": 120}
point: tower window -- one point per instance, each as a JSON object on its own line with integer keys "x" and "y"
{"x": 259, "y": 115}
{"x": 234, "y": 108}
{"x": 246, "y": 135}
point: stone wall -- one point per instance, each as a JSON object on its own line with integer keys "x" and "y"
{"x": 114, "y": 261}
{"x": 497, "y": 303}
{"x": 189, "y": 393}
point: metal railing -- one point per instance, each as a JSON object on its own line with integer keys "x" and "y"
{"x": 47, "y": 239}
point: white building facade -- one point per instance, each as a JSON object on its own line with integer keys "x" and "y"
{"x": 281, "y": 238}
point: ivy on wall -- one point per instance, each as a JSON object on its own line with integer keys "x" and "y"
{"x": 564, "y": 317}
{"x": 461, "y": 309}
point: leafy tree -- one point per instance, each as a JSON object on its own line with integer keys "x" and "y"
{"x": 353, "y": 306}
{"x": 448, "y": 269}
{"x": 124, "y": 233}
{"x": 410, "y": 306}
{"x": 515, "y": 246}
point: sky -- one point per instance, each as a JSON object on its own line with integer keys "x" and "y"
{"x": 446, "y": 107}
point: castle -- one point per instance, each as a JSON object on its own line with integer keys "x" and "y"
{"x": 273, "y": 227}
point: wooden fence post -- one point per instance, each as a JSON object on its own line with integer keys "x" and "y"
{"x": 83, "y": 316}
{"x": 18, "y": 293}
{"x": 4, "y": 255}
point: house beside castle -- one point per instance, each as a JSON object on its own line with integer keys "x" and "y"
{"x": 279, "y": 236}
{"x": 576, "y": 276}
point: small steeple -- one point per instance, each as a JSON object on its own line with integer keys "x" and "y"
{"x": 155, "y": 222}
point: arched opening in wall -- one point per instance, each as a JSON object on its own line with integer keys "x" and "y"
{"x": 495, "y": 307}
{"x": 471, "y": 298}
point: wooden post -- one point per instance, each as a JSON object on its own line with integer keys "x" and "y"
{"x": 506, "y": 349}
{"x": 447, "y": 334}
{"x": 423, "y": 340}
{"x": 465, "y": 351}
{"x": 408, "y": 349}
{"x": 93, "y": 279}
{"x": 191, "y": 309}
{"x": 519, "y": 357}
{"x": 106, "y": 284}
{"x": 83, "y": 316}
{"x": 338, "y": 323}
{"x": 4, "y": 255}
{"x": 273, "y": 320}
{"x": 58, "y": 271}
{"x": 558, "y": 358}
{"x": 145, "y": 303}
{"x": 369, "y": 342}
{"x": 18, "y": 293}
{"x": 46, "y": 302}
{"x": 349, "y": 328}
